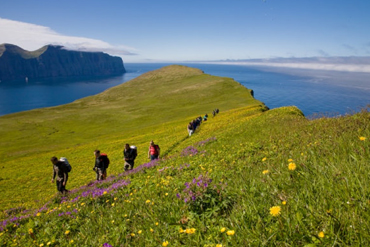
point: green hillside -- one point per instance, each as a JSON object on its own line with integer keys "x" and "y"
{"x": 132, "y": 112}
{"x": 247, "y": 177}
{"x": 19, "y": 51}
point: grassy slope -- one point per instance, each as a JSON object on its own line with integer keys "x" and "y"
{"x": 246, "y": 152}
{"x": 133, "y": 112}
{"x": 23, "y": 53}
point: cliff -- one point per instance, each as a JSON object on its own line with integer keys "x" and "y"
{"x": 54, "y": 61}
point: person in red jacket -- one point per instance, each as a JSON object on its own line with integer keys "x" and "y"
{"x": 154, "y": 151}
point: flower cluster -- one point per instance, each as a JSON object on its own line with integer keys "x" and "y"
{"x": 189, "y": 151}
{"x": 201, "y": 196}
{"x": 188, "y": 230}
{"x": 202, "y": 143}
{"x": 196, "y": 188}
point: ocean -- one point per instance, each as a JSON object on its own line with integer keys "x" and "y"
{"x": 326, "y": 93}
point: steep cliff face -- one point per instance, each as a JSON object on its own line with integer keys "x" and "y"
{"x": 54, "y": 61}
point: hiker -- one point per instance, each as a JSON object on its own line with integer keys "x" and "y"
{"x": 60, "y": 171}
{"x": 190, "y": 128}
{"x": 154, "y": 151}
{"x": 100, "y": 166}
{"x": 205, "y": 117}
{"x": 214, "y": 113}
{"x": 129, "y": 155}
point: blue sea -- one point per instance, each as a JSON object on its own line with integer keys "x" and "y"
{"x": 314, "y": 92}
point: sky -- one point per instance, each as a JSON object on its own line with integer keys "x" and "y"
{"x": 192, "y": 30}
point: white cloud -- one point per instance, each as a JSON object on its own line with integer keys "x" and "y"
{"x": 345, "y": 64}
{"x": 32, "y": 37}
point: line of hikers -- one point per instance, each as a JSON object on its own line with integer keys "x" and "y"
{"x": 61, "y": 167}
{"x": 194, "y": 124}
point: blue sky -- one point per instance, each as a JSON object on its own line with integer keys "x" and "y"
{"x": 170, "y": 31}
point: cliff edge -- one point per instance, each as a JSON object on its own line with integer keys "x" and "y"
{"x": 55, "y": 61}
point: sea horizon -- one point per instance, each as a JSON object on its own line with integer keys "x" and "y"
{"x": 312, "y": 91}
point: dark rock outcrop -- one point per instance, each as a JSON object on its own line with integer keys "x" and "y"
{"x": 54, "y": 61}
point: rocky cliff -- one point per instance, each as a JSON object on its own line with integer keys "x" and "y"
{"x": 54, "y": 61}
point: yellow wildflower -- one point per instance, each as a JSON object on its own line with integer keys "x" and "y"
{"x": 165, "y": 243}
{"x": 230, "y": 232}
{"x": 132, "y": 234}
{"x": 147, "y": 201}
{"x": 223, "y": 229}
{"x": 71, "y": 241}
{"x": 265, "y": 172}
{"x": 49, "y": 243}
{"x": 67, "y": 232}
{"x": 292, "y": 166}
{"x": 290, "y": 160}
{"x": 151, "y": 230}
{"x": 166, "y": 194}
{"x": 218, "y": 245}
{"x": 321, "y": 234}
{"x": 275, "y": 210}
{"x": 105, "y": 192}
{"x": 264, "y": 159}
{"x": 181, "y": 230}
{"x": 362, "y": 138}
{"x": 38, "y": 214}
{"x": 283, "y": 202}
{"x": 156, "y": 223}
{"x": 41, "y": 245}
{"x": 140, "y": 231}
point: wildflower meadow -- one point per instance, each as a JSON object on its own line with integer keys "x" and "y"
{"x": 247, "y": 177}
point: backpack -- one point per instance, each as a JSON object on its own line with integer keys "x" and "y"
{"x": 66, "y": 163}
{"x": 134, "y": 151}
{"x": 155, "y": 149}
{"x": 105, "y": 159}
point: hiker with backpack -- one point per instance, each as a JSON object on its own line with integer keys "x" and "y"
{"x": 129, "y": 155}
{"x": 154, "y": 151}
{"x": 190, "y": 128}
{"x": 60, "y": 171}
{"x": 101, "y": 165}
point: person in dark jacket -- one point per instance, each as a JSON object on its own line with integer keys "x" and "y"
{"x": 100, "y": 166}
{"x": 129, "y": 155}
{"x": 60, "y": 172}
{"x": 190, "y": 128}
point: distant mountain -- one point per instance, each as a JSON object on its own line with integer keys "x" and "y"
{"x": 55, "y": 61}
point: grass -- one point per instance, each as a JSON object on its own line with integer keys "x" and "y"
{"x": 247, "y": 177}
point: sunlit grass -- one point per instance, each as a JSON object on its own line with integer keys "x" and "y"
{"x": 247, "y": 177}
